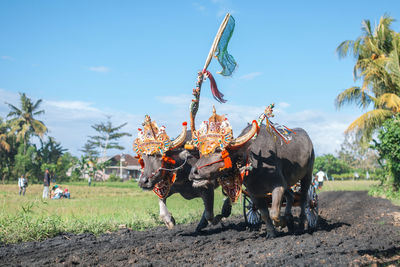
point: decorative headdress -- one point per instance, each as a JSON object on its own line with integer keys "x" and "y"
{"x": 153, "y": 139}
{"x": 217, "y": 132}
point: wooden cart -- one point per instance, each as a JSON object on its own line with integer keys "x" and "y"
{"x": 252, "y": 215}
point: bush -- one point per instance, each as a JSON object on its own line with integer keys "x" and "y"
{"x": 114, "y": 178}
{"x": 389, "y": 151}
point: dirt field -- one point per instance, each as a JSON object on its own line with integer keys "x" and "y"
{"x": 354, "y": 229}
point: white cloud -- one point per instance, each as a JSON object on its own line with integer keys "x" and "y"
{"x": 199, "y": 6}
{"x": 250, "y": 76}
{"x": 99, "y": 69}
{"x": 283, "y": 105}
{"x": 224, "y": 6}
{"x": 7, "y": 58}
{"x": 72, "y": 105}
{"x": 325, "y": 129}
{"x": 69, "y": 121}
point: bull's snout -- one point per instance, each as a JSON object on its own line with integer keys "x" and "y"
{"x": 143, "y": 181}
{"x": 194, "y": 173}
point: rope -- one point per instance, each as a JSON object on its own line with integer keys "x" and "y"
{"x": 174, "y": 169}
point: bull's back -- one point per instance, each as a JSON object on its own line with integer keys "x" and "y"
{"x": 293, "y": 160}
{"x": 297, "y": 157}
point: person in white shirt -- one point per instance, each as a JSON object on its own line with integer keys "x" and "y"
{"x": 320, "y": 178}
{"x": 57, "y": 192}
{"x": 22, "y": 183}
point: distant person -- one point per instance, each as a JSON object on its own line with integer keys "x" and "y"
{"x": 46, "y": 184}
{"x": 320, "y": 178}
{"x": 58, "y": 193}
{"x": 22, "y": 184}
{"x": 67, "y": 194}
{"x": 90, "y": 180}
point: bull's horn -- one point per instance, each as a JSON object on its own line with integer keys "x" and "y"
{"x": 240, "y": 141}
{"x": 181, "y": 138}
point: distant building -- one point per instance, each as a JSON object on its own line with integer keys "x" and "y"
{"x": 124, "y": 166}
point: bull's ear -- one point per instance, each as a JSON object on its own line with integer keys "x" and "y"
{"x": 185, "y": 155}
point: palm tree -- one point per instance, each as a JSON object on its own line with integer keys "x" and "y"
{"x": 4, "y": 145}
{"x": 377, "y": 65}
{"x": 23, "y": 123}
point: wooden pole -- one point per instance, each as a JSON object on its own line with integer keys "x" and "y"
{"x": 196, "y": 92}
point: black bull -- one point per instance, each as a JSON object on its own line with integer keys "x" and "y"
{"x": 184, "y": 162}
{"x": 276, "y": 167}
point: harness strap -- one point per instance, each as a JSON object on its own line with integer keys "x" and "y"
{"x": 225, "y": 158}
{"x": 210, "y": 163}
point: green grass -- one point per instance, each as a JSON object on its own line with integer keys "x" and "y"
{"x": 96, "y": 209}
{"x": 348, "y": 185}
{"x": 102, "y": 208}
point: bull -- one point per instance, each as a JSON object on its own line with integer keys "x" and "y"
{"x": 166, "y": 166}
{"x": 270, "y": 167}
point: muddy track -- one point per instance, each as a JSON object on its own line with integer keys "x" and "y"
{"x": 354, "y": 229}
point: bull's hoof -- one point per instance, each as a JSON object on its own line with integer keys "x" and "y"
{"x": 217, "y": 219}
{"x": 202, "y": 224}
{"x": 171, "y": 223}
{"x": 271, "y": 234}
{"x": 281, "y": 222}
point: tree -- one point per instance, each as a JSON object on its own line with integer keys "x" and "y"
{"x": 89, "y": 150}
{"x": 377, "y": 64}
{"x": 330, "y": 164}
{"x": 389, "y": 150}
{"x": 23, "y": 122}
{"x": 4, "y": 145}
{"x": 356, "y": 156}
{"x": 8, "y": 151}
{"x": 50, "y": 150}
{"x": 108, "y": 136}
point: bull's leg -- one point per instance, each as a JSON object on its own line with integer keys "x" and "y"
{"x": 165, "y": 215}
{"x": 262, "y": 206}
{"x": 277, "y": 194}
{"x": 288, "y": 210}
{"x": 203, "y": 222}
{"x": 208, "y": 214}
{"x": 225, "y": 212}
{"x": 305, "y": 184}
{"x": 226, "y": 208}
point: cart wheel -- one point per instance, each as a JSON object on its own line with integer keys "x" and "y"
{"x": 312, "y": 208}
{"x": 252, "y": 216}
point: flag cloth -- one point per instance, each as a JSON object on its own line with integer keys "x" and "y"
{"x": 226, "y": 60}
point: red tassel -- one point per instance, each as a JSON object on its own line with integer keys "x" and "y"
{"x": 168, "y": 160}
{"x": 214, "y": 89}
{"x": 141, "y": 162}
{"x": 227, "y": 159}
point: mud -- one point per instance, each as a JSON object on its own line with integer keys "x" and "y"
{"x": 354, "y": 229}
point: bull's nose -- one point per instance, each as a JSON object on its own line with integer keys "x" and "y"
{"x": 143, "y": 181}
{"x": 194, "y": 173}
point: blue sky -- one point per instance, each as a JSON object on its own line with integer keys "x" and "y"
{"x": 88, "y": 59}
